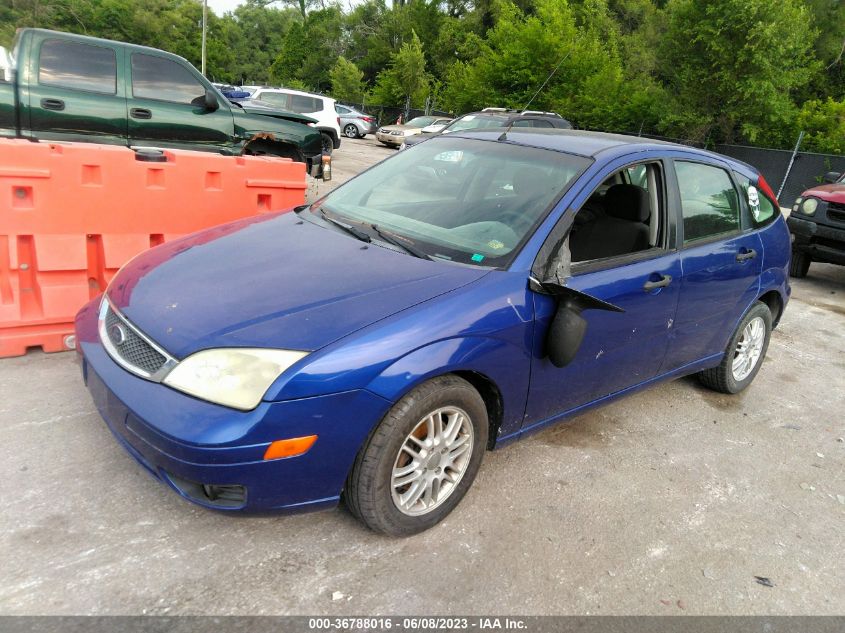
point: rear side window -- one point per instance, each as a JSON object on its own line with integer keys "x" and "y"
{"x": 302, "y": 104}
{"x": 165, "y": 80}
{"x": 531, "y": 123}
{"x": 760, "y": 209}
{"x": 78, "y": 66}
{"x": 274, "y": 98}
{"x": 709, "y": 201}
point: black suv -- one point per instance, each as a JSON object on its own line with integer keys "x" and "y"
{"x": 496, "y": 117}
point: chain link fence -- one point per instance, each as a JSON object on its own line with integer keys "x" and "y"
{"x": 388, "y": 115}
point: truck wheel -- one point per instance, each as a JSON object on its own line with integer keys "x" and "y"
{"x": 799, "y": 264}
{"x": 421, "y": 459}
{"x": 328, "y": 143}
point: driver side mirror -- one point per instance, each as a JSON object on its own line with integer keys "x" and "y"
{"x": 831, "y": 177}
{"x": 211, "y": 102}
{"x": 568, "y": 327}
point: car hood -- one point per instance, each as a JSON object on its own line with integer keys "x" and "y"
{"x": 831, "y": 193}
{"x": 272, "y": 281}
{"x": 400, "y": 128}
{"x": 255, "y": 107}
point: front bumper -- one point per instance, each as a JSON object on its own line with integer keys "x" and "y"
{"x": 390, "y": 139}
{"x": 822, "y": 243}
{"x": 196, "y": 446}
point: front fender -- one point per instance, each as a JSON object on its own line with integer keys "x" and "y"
{"x": 501, "y": 363}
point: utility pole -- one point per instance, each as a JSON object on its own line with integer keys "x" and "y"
{"x": 204, "y": 22}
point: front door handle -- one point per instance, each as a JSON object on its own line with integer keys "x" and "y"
{"x": 746, "y": 255}
{"x": 140, "y": 113}
{"x": 52, "y": 104}
{"x": 664, "y": 281}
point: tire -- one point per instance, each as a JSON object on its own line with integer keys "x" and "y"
{"x": 799, "y": 264}
{"x": 370, "y": 492}
{"x": 327, "y": 142}
{"x": 350, "y": 130}
{"x": 724, "y": 378}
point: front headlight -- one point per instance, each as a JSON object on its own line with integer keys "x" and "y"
{"x": 797, "y": 204}
{"x": 234, "y": 377}
{"x": 809, "y": 206}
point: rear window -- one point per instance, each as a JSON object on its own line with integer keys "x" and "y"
{"x": 78, "y": 66}
{"x": 761, "y": 210}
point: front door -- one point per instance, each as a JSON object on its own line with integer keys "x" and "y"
{"x": 623, "y": 252}
{"x": 166, "y": 107}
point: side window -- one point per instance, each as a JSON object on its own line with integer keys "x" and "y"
{"x": 78, "y": 66}
{"x": 531, "y": 123}
{"x": 277, "y": 99}
{"x": 303, "y": 105}
{"x": 709, "y": 201}
{"x": 620, "y": 218}
{"x": 760, "y": 208}
{"x": 165, "y": 80}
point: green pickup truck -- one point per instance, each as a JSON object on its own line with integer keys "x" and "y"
{"x": 64, "y": 87}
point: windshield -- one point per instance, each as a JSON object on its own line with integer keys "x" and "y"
{"x": 421, "y": 121}
{"x": 457, "y": 199}
{"x": 475, "y": 122}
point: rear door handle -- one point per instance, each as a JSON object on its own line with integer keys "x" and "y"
{"x": 745, "y": 255}
{"x": 140, "y": 113}
{"x": 664, "y": 281}
{"x": 52, "y": 104}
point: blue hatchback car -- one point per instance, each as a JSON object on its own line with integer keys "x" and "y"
{"x": 453, "y": 298}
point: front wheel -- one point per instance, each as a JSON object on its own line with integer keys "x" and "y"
{"x": 799, "y": 264}
{"x": 421, "y": 459}
{"x": 351, "y": 131}
{"x": 744, "y": 354}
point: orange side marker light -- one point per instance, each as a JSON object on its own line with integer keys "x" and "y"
{"x": 289, "y": 448}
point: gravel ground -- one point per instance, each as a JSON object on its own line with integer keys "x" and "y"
{"x": 671, "y": 501}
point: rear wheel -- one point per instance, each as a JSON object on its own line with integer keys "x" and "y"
{"x": 421, "y": 459}
{"x": 799, "y": 264}
{"x": 744, "y": 354}
{"x": 350, "y": 130}
{"x": 328, "y": 143}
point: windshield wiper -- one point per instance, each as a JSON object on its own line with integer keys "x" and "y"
{"x": 390, "y": 239}
{"x": 357, "y": 233}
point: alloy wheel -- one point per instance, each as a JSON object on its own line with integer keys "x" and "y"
{"x": 749, "y": 347}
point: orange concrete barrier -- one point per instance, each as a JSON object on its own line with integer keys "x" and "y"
{"x": 72, "y": 214}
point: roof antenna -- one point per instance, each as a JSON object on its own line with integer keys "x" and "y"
{"x": 551, "y": 74}
{"x": 504, "y": 135}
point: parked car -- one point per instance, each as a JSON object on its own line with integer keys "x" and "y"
{"x": 496, "y": 117}
{"x": 354, "y": 123}
{"x": 319, "y": 107}
{"x": 76, "y": 88}
{"x": 458, "y": 296}
{"x": 231, "y": 92}
{"x": 817, "y": 225}
{"x": 395, "y": 135}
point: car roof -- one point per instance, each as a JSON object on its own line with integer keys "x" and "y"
{"x": 585, "y": 143}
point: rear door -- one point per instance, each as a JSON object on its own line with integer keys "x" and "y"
{"x": 721, "y": 258}
{"x": 166, "y": 106}
{"x": 76, "y": 92}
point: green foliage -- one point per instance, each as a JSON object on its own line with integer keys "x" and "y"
{"x": 824, "y": 124}
{"x": 750, "y": 71}
{"x": 347, "y": 81}
{"x": 733, "y": 66}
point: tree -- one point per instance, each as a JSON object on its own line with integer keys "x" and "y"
{"x": 347, "y": 81}
{"x": 405, "y": 79}
{"x": 824, "y": 125}
{"x": 733, "y": 66}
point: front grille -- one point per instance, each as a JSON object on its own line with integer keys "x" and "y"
{"x": 130, "y": 347}
{"x": 836, "y": 212}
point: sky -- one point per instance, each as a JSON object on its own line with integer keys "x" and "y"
{"x": 221, "y": 6}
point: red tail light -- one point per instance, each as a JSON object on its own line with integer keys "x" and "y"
{"x": 764, "y": 186}
{"x": 338, "y": 120}
{"x": 368, "y": 119}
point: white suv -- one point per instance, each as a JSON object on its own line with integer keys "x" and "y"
{"x": 316, "y": 106}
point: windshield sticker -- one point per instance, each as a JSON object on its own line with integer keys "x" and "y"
{"x": 754, "y": 202}
{"x": 477, "y": 257}
{"x": 495, "y": 244}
